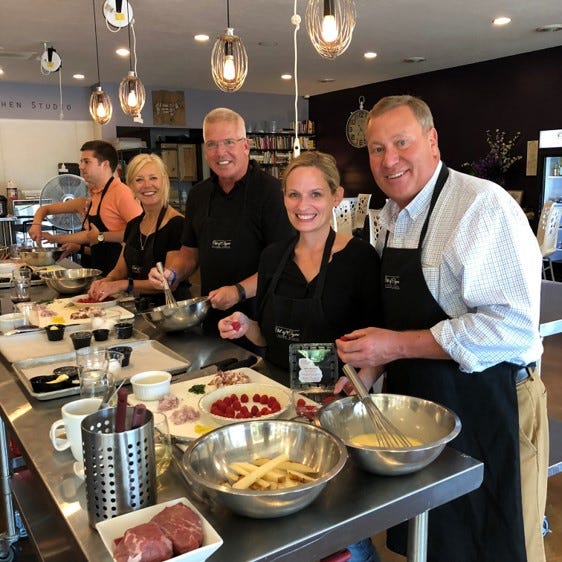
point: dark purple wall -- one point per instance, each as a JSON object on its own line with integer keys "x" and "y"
{"x": 520, "y": 93}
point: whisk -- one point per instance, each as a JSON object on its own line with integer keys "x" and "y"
{"x": 388, "y": 435}
{"x": 170, "y": 300}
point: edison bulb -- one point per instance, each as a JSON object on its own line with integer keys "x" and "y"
{"x": 100, "y": 110}
{"x": 228, "y": 69}
{"x": 329, "y": 28}
{"x": 132, "y": 98}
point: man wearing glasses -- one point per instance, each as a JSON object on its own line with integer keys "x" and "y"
{"x": 230, "y": 218}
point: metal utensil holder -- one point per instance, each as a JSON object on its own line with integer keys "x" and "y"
{"x": 120, "y": 468}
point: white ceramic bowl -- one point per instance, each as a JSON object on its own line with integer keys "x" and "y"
{"x": 11, "y": 321}
{"x": 282, "y": 395}
{"x": 151, "y": 385}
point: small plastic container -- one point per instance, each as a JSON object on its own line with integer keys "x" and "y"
{"x": 126, "y": 350}
{"x": 151, "y": 385}
{"x": 101, "y": 334}
{"x": 81, "y": 339}
{"x": 124, "y": 330}
{"x": 55, "y": 332}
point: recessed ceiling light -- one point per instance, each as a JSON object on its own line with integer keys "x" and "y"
{"x": 414, "y": 59}
{"x": 1, "y": 71}
{"x": 370, "y": 55}
{"x": 122, "y": 52}
{"x": 78, "y": 76}
{"x": 286, "y": 76}
{"x": 326, "y": 80}
{"x": 550, "y": 27}
{"x": 502, "y": 21}
{"x": 201, "y": 37}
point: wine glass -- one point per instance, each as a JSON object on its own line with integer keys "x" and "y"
{"x": 162, "y": 443}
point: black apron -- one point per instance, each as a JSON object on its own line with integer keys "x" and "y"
{"x": 485, "y": 525}
{"x": 229, "y": 251}
{"x": 286, "y": 320}
{"x": 104, "y": 255}
{"x": 141, "y": 259}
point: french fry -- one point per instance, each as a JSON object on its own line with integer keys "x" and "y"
{"x": 273, "y": 475}
{"x": 238, "y": 468}
{"x": 246, "y": 481}
{"x": 300, "y": 476}
{"x": 289, "y": 465}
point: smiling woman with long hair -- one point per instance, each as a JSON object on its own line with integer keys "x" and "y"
{"x": 148, "y": 238}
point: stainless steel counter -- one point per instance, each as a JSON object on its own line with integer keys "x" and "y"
{"x": 354, "y": 505}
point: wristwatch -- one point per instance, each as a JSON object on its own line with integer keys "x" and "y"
{"x": 241, "y": 292}
{"x": 101, "y": 237}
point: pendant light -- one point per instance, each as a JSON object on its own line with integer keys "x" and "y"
{"x": 132, "y": 94}
{"x": 229, "y": 60}
{"x": 330, "y": 25}
{"x": 100, "y": 104}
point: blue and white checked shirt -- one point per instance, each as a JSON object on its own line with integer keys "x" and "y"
{"x": 482, "y": 264}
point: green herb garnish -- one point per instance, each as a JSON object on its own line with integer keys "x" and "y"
{"x": 197, "y": 389}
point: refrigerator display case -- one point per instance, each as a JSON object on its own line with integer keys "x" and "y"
{"x": 550, "y": 174}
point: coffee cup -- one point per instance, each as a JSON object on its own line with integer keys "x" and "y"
{"x": 72, "y": 415}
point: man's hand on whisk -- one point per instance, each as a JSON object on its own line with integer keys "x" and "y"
{"x": 157, "y": 279}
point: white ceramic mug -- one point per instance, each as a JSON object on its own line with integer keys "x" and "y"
{"x": 72, "y": 415}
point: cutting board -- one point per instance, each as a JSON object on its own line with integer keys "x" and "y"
{"x": 31, "y": 345}
{"x": 193, "y": 429}
{"x": 62, "y": 310}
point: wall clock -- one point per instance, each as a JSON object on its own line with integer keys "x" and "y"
{"x": 355, "y": 126}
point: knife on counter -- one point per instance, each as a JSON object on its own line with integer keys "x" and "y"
{"x": 210, "y": 369}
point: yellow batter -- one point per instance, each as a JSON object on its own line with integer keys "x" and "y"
{"x": 376, "y": 440}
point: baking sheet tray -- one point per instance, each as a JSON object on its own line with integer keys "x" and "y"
{"x": 32, "y": 345}
{"x": 147, "y": 355}
{"x": 196, "y": 428}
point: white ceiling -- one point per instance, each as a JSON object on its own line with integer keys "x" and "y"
{"x": 447, "y": 33}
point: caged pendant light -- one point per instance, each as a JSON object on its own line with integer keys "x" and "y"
{"x": 330, "y": 25}
{"x": 229, "y": 60}
{"x": 132, "y": 95}
{"x": 100, "y": 104}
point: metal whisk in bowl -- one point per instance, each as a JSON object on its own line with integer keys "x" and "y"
{"x": 170, "y": 300}
{"x": 387, "y": 434}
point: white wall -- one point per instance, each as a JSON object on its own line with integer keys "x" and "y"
{"x": 31, "y": 149}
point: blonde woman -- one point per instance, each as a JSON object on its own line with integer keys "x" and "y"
{"x": 149, "y": 238}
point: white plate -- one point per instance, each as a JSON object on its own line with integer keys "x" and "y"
{"x": 115, "y": 528}
{"x": 101, "y": 304}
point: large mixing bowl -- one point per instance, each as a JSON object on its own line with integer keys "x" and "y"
{"x": 187, "y": 314}
{"x": 70, "y": 281}
{"x": 427, "y": 422}
{"x": 38, "y": 257}
{"x": 205, "y": 464}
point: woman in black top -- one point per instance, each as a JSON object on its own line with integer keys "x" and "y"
{"x": 314, "y": 287}
{"x": 148, "y": 238}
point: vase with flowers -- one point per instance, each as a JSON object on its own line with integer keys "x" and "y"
{"x": 499, "y": 159}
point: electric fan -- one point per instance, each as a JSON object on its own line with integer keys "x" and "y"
{"x": 63, "y": 188}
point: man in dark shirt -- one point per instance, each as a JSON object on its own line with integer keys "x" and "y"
{"x": 230, "y": 218}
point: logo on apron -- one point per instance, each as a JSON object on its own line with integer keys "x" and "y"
{"x": 221, "y": 244}
{"x": 392, "y": 282}
{"x": 288, "y": 334}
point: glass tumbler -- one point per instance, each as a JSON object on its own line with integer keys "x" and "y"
{"x": 162, "y": 443}
{"x": 93, "y": 367}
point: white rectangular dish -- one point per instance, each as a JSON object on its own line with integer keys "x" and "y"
{"x": 204, "y": 423}
{"x": 115, "y": 528}
{"x": 146, "y": 355}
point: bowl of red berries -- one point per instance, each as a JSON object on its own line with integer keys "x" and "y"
{"x": 251, "y": 401}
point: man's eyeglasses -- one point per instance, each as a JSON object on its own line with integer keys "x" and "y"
{"x": 226, "y": 143}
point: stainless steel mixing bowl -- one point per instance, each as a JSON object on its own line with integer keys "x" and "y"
{"x": 428, "y": 422}
{"x": 187, "y": 314}
{"x": 70, "y": 281}
{"x": 38, "y": 257}
{"x": 205, "y": 464}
